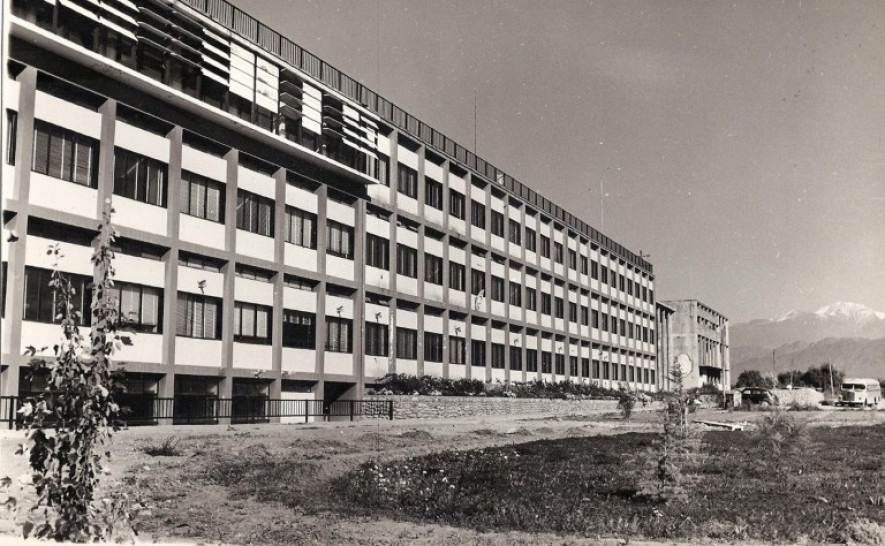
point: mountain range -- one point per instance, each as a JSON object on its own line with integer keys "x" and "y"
{"x": 851, "y": 336}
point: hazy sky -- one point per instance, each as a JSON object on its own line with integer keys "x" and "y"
{"x": 741, "y": 144}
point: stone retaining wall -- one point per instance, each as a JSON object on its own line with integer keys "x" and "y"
{"x": 450, "y": 407}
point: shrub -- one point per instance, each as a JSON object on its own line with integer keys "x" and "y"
{"x": 865, "y": 531}
{"x": 626, "y": 402}
{"x": 401, "y": 384}
{"x": 168, "y": 448}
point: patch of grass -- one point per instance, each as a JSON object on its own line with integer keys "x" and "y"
{"x": 167, "y": 448}
{"x": 528, "y": 487}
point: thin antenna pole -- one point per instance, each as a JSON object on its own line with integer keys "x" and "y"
{"x": 475, "y": 150}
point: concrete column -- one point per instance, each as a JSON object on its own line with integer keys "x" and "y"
{"x": 359, "y": 304}
{"x": 322, "y": 200}
{"x": 15, "y": 285}
{"x": 276, "y": 385}
{"x": 225, "y": 386}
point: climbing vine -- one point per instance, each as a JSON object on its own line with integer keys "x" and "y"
{"x": 70, "y": 425}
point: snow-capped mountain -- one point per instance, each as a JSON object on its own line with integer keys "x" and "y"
{"x": 849, "y": 335}
{"x": 837, "y": 320}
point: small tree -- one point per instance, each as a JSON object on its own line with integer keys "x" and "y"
{"x": 676, "y": 449}
{"x": 752, "y": 378}
{"x": 78, "y": 406}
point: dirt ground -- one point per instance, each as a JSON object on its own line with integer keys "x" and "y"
{"x": 333, "y": 448}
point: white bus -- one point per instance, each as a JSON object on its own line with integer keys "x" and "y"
{"x": 860, "y": 392}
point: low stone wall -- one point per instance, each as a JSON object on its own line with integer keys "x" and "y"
{"x": 801, "y": 397}
{"x": 450, "y": 407}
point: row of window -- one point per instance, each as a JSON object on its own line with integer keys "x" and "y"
{"x": 408, "y": 185}
{"x": 64, "y": 154}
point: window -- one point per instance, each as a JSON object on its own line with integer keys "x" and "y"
{"x": 61, "y": 153}
{"x": 478, "y": 214}
{"x": 531, "y": 239}
{"x": 456, "y": 205}
{"x": 623, "y": 324}
{"x": 339, "y": 335}
{"x": 254, "y": 213}
{"x": 621, "y": 283}
{"x": 546, "y": 306}
{"x": 202, "y": 197}
{"x": 384, "y": 169}
{"x": 477, "y": 281}
{"x": 559, "y": 307}
{"x": 497, "y": 223}
{"x": 545, "y": 246}
{"x": 299, "y": 329}
{"x": 40, "y": 301}
{"x": 497, "y": 289}
{"x": 11, "y": 128}
{"x": 585, "y": 316}
{"x": 140, "y": 178}
{"x": 498, "y": 356}
{"x": 433, "y": 269}
{"x": 515, "y": 293}
{"x": 606, "y": 370}
{"x": 546, "y": 362}
{"x": 477, "y": 353}
{"x": 456, "y": 350}
{"x": 573, "y": 366}
{"x": 433, "y": 193}
{"x": 572, "y": 259}
{"x": 594, "y": 270}
{"x": 377, "y": 252}
{"x": 406, "y": 261}
{"x": 531, "y": 360}
{"x": 301, "y": 228}
{"x": 515, "y": 232}
{"x": 572, "y": 311}
{"x": 558, "y": 253}
{"x": 560, "y": 364}
{"x": 596, "y": 373}
{"x": 604, "y": 322}
{"x": 456, "y": 276}
{"x": 585, "y": 367}
{"x": 595, "y": 315}
{"x": 339, "y": 240}
{"x": 198, "y": 316}
{"x": 139, "y": 307}
{"x": 407, "y": 181}
{"x": 604, "y": 272}
{"x": 583, "y": 265}
{"x": 433, "y": 347}
{"x": 406, "y": 343}
{"x": 252, "y": 323}
{"x": 531, "y": 299}
{"x": 377, "y": 339}
{"x": 516, "y": 359}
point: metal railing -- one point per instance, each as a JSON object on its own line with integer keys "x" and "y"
{"x": 207, "y": 410}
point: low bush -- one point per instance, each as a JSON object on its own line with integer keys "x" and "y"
{"x": 168, "y": 448}
{"x": 402, "y": 384}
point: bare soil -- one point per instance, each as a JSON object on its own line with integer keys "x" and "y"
{"x": 182, "y": 507}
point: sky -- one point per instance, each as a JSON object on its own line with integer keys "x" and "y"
{"x": 742, "y": 144}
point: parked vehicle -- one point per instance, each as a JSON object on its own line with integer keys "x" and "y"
{"x": 860, "y": 392}
{"x": 758, "y": 395}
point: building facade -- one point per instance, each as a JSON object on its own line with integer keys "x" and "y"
{"x": 285, "y": 232}
{"x": 699, "y": 332}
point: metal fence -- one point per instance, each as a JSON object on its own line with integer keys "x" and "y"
{"x": 208, "y": 410}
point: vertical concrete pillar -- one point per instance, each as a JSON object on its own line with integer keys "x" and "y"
{"x": 15, "y": 285}
{"x": 359, "y": 303}
{"x": 322, "y": 202}
{"x": 225, "y": 386}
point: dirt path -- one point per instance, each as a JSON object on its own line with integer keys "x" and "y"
{"x": 330, "y": 449}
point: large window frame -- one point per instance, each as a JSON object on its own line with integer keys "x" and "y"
{"x": 339, "y": 240}
{"x": 377, "y": 251}
{"x": 299, "y": 329}
{"x": 407, "y": 181}
{"x": 255, "y": 213}
{"x": 433, "y": 193}
{"x": 406, "y": 343}
{"x": 202, "y": 197}
{"x": 377, "y": 339}
{"x": 199, "y": 316}
{"x": 253, "y": 323}
{"x": 433, "y": 347}
{"x": 61, "y": 153}
{"x": 339, "y": 335}
{"x": 301, "y": 228}
{"x": 139, "y": 177}
{"x": 406, "y": 261}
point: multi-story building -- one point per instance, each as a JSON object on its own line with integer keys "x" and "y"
{"x": 701, "y": 334}
{"x": 284, "y": 231}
